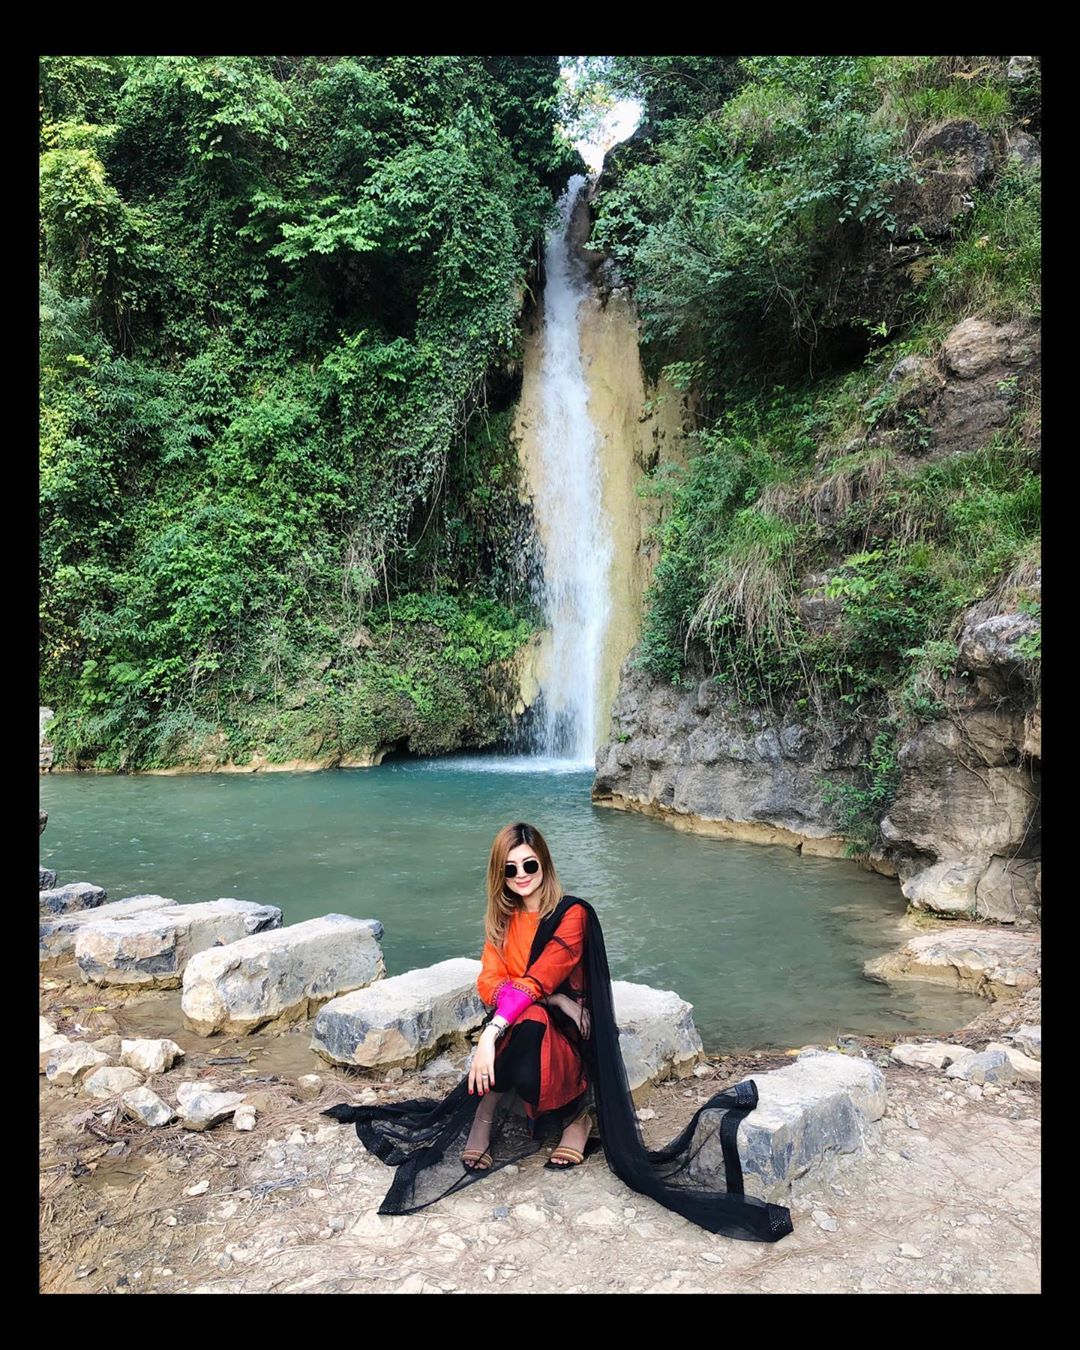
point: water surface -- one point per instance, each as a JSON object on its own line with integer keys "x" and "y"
{"x": 766, "y": 944}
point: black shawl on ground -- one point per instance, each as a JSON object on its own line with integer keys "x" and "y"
{"x": 423, "y": 1138}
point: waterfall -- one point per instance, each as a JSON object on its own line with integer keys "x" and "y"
{"x": 572, "y": 523}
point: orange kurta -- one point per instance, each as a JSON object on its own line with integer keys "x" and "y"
{"x": 562, "y": 1074}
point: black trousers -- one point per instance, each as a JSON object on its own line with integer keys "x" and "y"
{"x": 517, "y": 1066}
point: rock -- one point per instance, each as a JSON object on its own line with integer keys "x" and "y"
{"x": 200, "y": 1106}
{"x": 444, "y": 1065}
{"x": 906, "y": 1249}
{"x": 932, "y": 1054}
{"x": 951, "y": 160}
{"x": 1021, "y": 68}
{"x": 110, "y": 1082}
{"x": 963, "y": 805}
{"x": 46, "y": 878}
{"x": 280, "y": 976}
{"x": 150, "y": 1056}
{"x": 146, "y": 1106}
{"x": 1025, "y": 148}
{"x": 77, "y": 895}
{"x": 109, "y": 1045}
{"x": 45, "y": 1028}
{"x": 988, "y": 1066}
{"x": 1027, "y": 1069}
{"x": 152, "y": 947}
{"x": 696, "y": 756}
{"x": 814, "y": 1118}
{"x": 57, "y": 933}
{"x": 199, "y": 1188}
{"x": 1028, "y": 1039}
{"x": 43, "y": 820}
{"x": 308, "y": 1087}
{"x": 48, "y": 1047}
{"x": 72, "y": 1062}
{"x": 987, "y": 961}
{"x": 244, "y": 1117}
{"x": 401, "y": 1021}
{"x": 824, "y": 1220}
{"x": 657, "y": 1035}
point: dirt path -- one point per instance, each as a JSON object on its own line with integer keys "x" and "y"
{"x": 949, "y": 1201}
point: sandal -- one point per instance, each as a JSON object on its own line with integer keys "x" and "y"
{"x": 475, "y": 1159}
{"x": 564, "y": 1157}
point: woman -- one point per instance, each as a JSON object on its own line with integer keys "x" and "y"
{"x": 548, "y": 1055}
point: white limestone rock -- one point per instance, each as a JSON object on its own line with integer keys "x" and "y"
{"x": 931, "y": 1054}
{"x": 47, "y": 1048}
{"x": 987, "y": 961}
{"x": 280, "y": 976}
{"x": 77, "y": 895}
{"x": 110, "y": 1081}
{"x": 199, "y": 1106}
{"x": 57, "y": 932}
{"x": 152, "y": 948}
{"x": 402, "y": 1021}
{"x": 150, "y": 1056}
{"x": 72, "y": 1062}
{"x": 146, "y": 1106}
{"x": 657, "y": 1035}
{"x": 813, "y": 1120}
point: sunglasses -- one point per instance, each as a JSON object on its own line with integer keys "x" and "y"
{"x": 530, "y": 866}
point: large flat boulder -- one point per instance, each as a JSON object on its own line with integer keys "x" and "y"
{"x": 405, "y": 1020}
{"x": 57, "y": 932}
{"x": 280, "y": 976}
{"x": 992, "y": 962}
{"x": 402, "y": 1021}
{"x": 657, "y": 1035}
{"x": 814, "y": 1118}
{"x": 409, "y": 1019}
{"x": 74, "y": 896}
{"x": 153, "y": 946}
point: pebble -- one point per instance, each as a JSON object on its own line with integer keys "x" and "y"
{"x": 200, "y": 1188}
{"x": 906, "y": 1249}
{"x": 646, "y": 1113}
{"x": 824, "y": 1220}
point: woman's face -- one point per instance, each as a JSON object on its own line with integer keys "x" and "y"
{"x": 525, "y": 882}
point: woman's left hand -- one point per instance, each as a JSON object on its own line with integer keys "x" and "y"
{"x": 482, "y": 1069}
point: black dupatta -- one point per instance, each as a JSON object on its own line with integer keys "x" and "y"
{"x": 423, "y": 1138}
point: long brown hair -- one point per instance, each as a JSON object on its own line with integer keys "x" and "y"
{"x": 501, "y": 902}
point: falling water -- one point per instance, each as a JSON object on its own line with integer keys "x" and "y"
{"x": 573, "y": 524}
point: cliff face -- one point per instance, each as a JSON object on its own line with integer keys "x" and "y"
{"x": 963, "y": 831}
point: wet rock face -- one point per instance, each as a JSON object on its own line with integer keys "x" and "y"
{"x": 697, "y": 751}
{"x": 965, "y": 826}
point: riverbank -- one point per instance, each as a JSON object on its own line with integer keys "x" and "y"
{"x": 948, "y": 1202}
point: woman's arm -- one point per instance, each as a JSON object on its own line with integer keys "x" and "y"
{"x": 493, "y": 974}
{"x": 562, "y": 953}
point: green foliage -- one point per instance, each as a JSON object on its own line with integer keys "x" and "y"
{"x": 994, "y": 265}
{"x": 861, "y": 806}
{"x": 272, "y": 291}
{"x": 727, "y": 224}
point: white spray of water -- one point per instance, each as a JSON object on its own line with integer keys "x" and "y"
{"x": 573, "y": 523}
